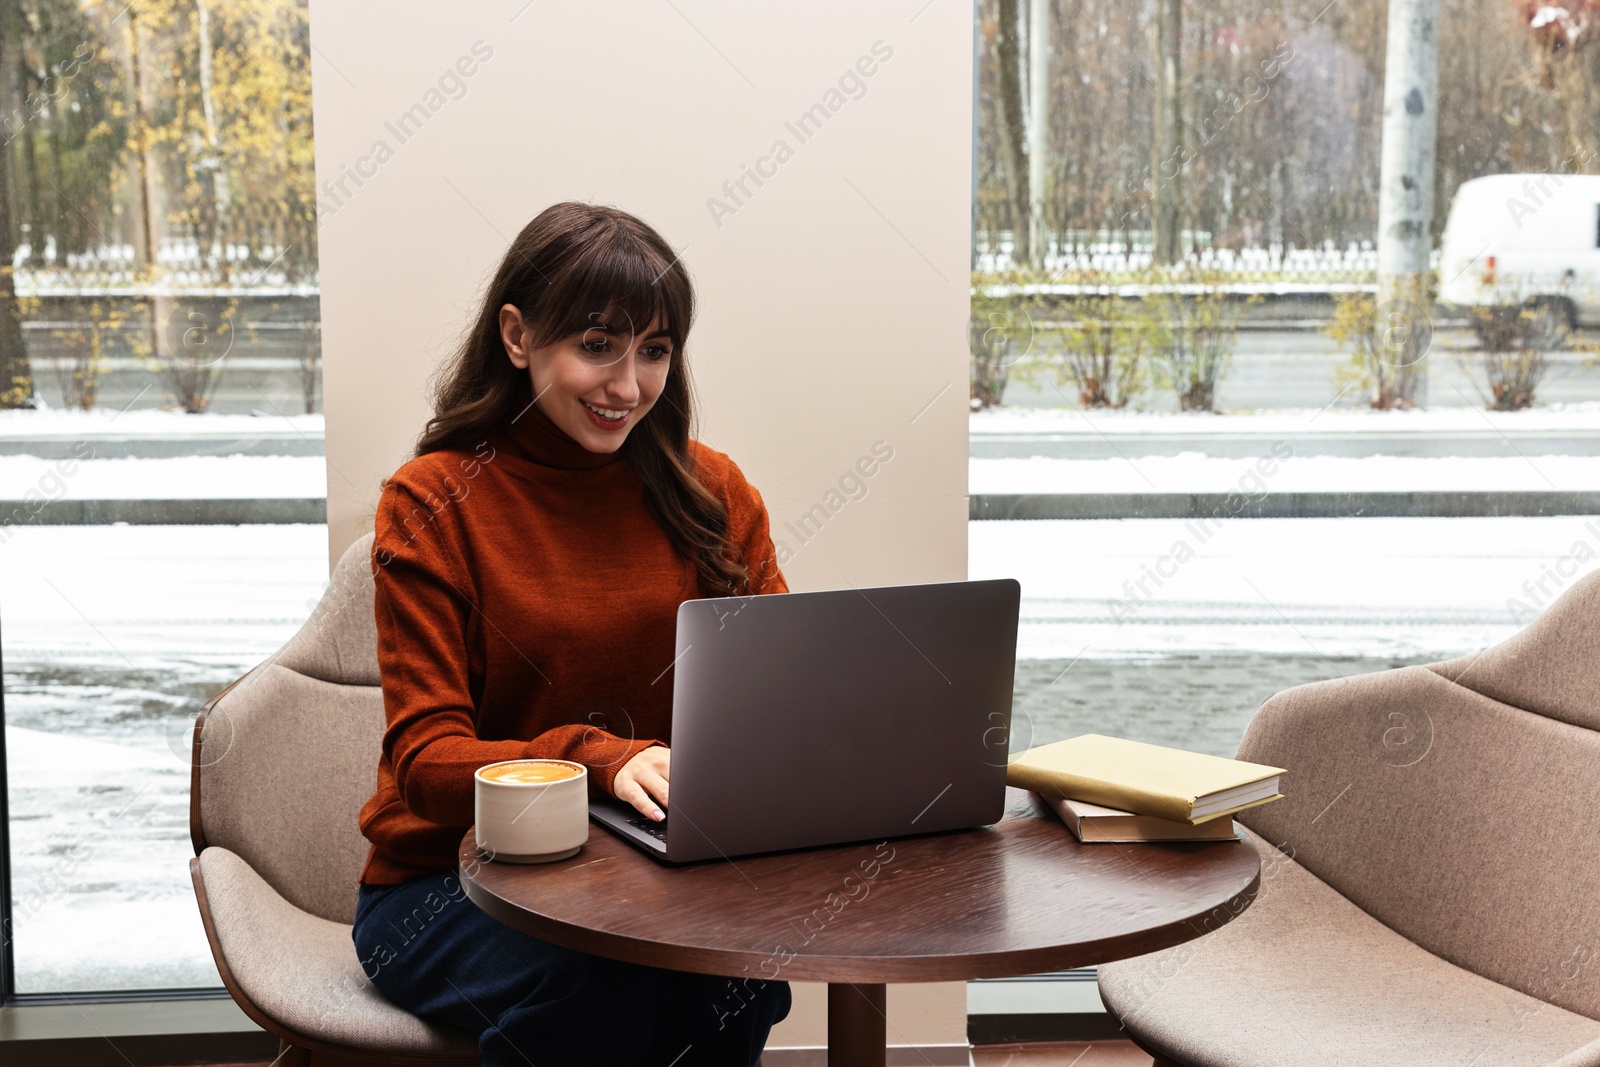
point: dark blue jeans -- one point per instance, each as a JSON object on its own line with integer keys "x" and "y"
{"x": 431, "y": 951}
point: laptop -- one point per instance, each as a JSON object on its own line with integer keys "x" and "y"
{"x": 809, "y": 719}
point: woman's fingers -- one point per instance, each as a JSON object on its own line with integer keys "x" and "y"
{"x": 634, "y": 792}
{"x": 642, "y": 781}
{"x": 657, "y": 786}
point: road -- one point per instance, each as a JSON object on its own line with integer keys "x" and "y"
{"x": 1488, "y": 442}
{"x": 1272, "y": 369}
{"x": 1298, "y": 368}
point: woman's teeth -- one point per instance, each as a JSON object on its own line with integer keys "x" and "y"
{"x": 611, "y": 414}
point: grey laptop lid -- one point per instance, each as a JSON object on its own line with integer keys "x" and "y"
{"x": 806, "y": 719}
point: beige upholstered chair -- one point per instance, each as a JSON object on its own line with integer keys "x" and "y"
{"x": 284, "y": 757}
{"x": 1429, "y": 892}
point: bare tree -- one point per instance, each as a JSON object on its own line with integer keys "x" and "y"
{"x": 16, "y": 375}
{"x": 1039, "y": 31}
{"x": 1562, "y": 35}
{"x": 1166, "y": 149}
{"x": 1281, "y": 112}
{"x": 1009, "y": 126}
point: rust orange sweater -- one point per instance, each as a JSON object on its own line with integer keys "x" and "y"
{"x": 526, "y": 604}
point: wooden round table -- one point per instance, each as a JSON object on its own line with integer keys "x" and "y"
{"x": 1019, "y": 897}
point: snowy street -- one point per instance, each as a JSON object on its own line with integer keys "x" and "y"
{"x": 1167, "y": 630}
{"x": 114, "y": 635}
{"x": 1140, "y": 588}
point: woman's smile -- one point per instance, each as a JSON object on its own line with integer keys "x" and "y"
{"x": 607, "y": 419}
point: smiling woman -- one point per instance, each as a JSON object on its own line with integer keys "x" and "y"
{"x": 576, "y": 284}
{"x": 531, "y": 615}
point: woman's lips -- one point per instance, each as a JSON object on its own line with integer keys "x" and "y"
{"x": 601, "y": 421}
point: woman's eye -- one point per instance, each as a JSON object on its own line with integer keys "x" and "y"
{"x": 596, "y": 345}
{"x": 656, "y": 353}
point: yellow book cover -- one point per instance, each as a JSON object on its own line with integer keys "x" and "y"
{"x": 1091, "y": 824}
{"x": 1145, "y": 779}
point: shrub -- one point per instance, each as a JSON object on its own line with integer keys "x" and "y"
{"x": 1105, "y": 344}
{"x": 1510, "y": 354}
{"x": 1000, "y": 333}
{"x": 1387, "y": 349}
{"x": 1198, "y": 329}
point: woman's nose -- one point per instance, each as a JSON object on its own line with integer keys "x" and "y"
{"x": 624, "y": 383}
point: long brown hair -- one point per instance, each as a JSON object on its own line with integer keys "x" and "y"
{"x": 571, "y": 261}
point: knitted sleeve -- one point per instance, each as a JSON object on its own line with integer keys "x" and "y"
{"x": 423, "y": 605}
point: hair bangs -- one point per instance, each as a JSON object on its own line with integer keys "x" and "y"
{"x": 616, "y": 282}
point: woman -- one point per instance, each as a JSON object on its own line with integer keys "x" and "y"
{"x": 529, "y": 561}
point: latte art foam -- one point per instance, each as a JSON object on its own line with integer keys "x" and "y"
{"x": 530, "y": 772}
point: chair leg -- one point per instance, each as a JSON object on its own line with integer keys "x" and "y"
{"x": 292, "y": 1056}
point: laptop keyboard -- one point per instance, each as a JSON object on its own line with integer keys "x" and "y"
{"x": 657, "y": 830}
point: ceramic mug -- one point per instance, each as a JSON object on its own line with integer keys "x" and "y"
{"x": 531, "y": 810}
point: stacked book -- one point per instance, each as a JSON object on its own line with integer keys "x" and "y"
{"x": 1109, "y": 789}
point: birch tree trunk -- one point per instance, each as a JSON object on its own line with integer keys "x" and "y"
{"x": 1167, "y": 145}
{"x": 1039, "y": 32}
{"x": 1405, "y": 203}
{"x": 1009, "y": 127}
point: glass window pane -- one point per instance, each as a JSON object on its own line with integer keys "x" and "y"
{"x": 1178, "y": 322}
{"x": 1250, "y": 460}
{"x": 113, "y": 638}
{"x": 163, "y": 359}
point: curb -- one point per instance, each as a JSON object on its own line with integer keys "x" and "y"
{"x": 158, "y": 446}
{"x": 205, "y": 512}
{"x": 982, "y": 506}
{"x": 1423, "y": 504}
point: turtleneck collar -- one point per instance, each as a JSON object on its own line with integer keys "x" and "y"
{"x": 532, "y": 434}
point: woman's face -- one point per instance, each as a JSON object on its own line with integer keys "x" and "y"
{"x": 596, "y": 384}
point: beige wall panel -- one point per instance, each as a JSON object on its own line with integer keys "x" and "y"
{"x": 833, "y": 296}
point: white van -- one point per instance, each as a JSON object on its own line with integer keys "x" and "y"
{"x": 1530, "y": 240}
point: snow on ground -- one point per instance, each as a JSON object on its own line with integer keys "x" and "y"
{"x": 62, "y": 422}
{"x": 136, "y": 594}
{"x": 1193, "y": 472}
{"x": 158, "y": 422}
{"x": 1554, "y": 418}
{"x": 26, "y": 476}
{"x": 1331, "y": 587}
{"x": 98, "y": 835}
{"x": 192, "y": 477}
{"x": 113, "y": 637}
{"x": 114, "y": 634}
{"x": 177, "y": 478}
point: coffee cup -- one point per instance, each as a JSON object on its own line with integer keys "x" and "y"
{"x": 531, "y": 810}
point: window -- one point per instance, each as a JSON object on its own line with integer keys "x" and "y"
{"x": 1231, "y": 465}
{"x": 1222, "y": 455}
{"x": 166, "y": 364}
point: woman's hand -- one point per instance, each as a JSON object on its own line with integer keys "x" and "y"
{"x": 642, "y": 781}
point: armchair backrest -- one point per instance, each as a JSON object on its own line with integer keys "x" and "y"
{"x": 285, "y": 756}
{"x": 1459, "y": 803}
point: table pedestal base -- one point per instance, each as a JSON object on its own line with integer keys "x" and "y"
{"x": 857, "y": 1025}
